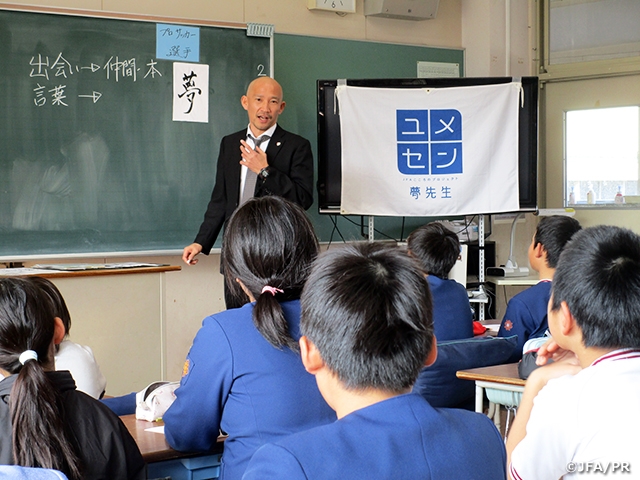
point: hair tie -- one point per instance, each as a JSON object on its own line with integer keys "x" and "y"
{"x": 27, "y": 355}
{"x": 271, "y": 290}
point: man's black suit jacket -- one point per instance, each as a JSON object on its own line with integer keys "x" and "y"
{"x": 290, "y": 176}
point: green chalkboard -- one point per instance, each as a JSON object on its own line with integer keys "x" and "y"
{"x": 91, "y": 159}
{"x": 117, "y": 174}
{"x": 300, "y": 61}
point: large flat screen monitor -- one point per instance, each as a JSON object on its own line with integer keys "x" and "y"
{"x": 329, "y": 141}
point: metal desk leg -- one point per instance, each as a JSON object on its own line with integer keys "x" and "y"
{"x": 479, "y": 398}
{"x": 494, "y": 414}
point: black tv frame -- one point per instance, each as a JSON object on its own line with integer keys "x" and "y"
{"x": 330, "y": 149}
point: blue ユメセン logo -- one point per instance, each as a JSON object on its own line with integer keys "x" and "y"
{"x": 429, "y": 142}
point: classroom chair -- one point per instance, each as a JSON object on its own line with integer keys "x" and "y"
{"x": 438, "y": 383}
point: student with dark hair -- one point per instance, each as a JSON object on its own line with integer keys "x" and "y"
{"x": 77, "y": 359}
{"x": 366, "y": 320}
{"x": 438, "y": 248}
{"x": 45, "y": 421}
{"x": 526, "y": 314}
{"x": 243, "y": 373}
{"x": 579, "y": 422}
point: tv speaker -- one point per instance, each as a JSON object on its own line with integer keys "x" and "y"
{"x": 402, "y": 9}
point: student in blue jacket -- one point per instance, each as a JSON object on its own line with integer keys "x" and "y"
{"x": 438, "y": 248}
{"x": 366, "y": 320}
{"x": 243, "y": 374}
{"x": 526, "y": 314}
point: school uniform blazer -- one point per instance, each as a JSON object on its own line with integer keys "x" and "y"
{"x": 526, "y": 316}
{"x": 399, "y": 438}
{"x": 235, "y": 380}
{"x": 452, "y": 316}
{"x": 290, "y": 176}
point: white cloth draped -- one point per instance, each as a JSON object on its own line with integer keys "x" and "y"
{"x": 429, "y": 152}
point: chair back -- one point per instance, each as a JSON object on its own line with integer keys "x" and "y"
{"x": 438, "y": 383}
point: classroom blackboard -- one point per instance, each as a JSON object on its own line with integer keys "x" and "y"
{"x": 301, "y": 61}
{"x": 118, "y": 174}
{"x": 91, "y": 159}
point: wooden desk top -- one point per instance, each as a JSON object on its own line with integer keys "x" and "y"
{"x": 154, "y": 446}
{"x": 505, "y": 374}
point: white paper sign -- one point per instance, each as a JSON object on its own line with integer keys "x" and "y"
{"x": 190, "y": 92}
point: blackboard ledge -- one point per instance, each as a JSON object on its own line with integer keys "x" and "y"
{"x": 69, "y": 256}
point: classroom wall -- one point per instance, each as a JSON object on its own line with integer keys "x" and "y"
{"x": 493, "y": 45}
{"x": 477, "y": 25}
{"x": 292, "y": 16}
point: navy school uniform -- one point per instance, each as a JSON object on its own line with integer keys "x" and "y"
{"x": 526, "y": 316}
{"x": 399, "y": 438}
{"x": 452, "y": 315}
{"x": 238, "y": 382}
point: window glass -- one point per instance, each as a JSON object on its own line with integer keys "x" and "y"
{"x": 601, "y": 155}
{"x": 589, "y": 30}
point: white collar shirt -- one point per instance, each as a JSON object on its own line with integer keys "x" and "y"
{"x": 586, "y": 424}
{"x": 263, "y": 146}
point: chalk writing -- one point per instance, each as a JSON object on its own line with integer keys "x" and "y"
{"x": 121, "y": 68}
{"x": 41, "y": 67}
{"x": 48, "y": 68}
{"x": 95, "y": 96}
{"x": 153, "y": 71}
{"x": 58, "y": 95}
{"x": 40, "y": 99}
{"x": 93, "y": 67}
{"x": 62, "y": 67}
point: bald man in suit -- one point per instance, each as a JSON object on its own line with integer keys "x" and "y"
{"x": 278, "y": 162}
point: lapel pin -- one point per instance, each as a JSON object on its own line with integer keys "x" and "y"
{"x": 278, "y": 144}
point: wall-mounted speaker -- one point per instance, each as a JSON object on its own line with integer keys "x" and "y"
{"x": 402, "y": 9}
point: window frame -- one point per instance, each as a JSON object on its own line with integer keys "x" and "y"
{"x": 575, "y": 70}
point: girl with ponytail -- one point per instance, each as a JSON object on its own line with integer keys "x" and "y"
{"x": 243, "y": 374}
{"x": 44, "y": 421}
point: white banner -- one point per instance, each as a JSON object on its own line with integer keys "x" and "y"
{"x": 429, "y": 152}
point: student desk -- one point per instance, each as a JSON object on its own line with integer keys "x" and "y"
{"x": 163, "y": 461}
{"x": 120, "y": 314}
{"x": 502, "y": 384}
{"x": 527, "y": 281}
